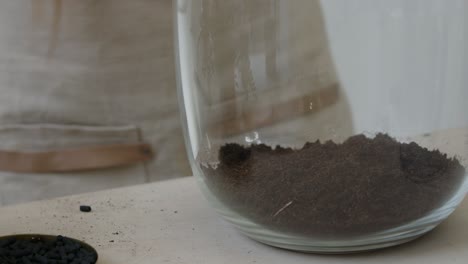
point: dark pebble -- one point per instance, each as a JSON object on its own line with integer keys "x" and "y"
{"x": 85, "y": 208}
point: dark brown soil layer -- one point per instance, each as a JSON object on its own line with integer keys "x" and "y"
{"x": 334, "y": 190}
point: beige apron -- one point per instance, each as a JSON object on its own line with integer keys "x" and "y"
{"x": 87, "y": 73}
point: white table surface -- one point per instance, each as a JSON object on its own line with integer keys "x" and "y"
{"x": 170, "y": 222}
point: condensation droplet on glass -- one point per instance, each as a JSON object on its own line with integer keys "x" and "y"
{"x": 253, "y": 137}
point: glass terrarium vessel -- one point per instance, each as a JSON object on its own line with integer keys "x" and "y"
{"x": 326, "y": 126}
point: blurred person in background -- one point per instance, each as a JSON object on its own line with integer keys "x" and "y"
{"x": 79, "y": 75}
{"x": 88, "y": 95}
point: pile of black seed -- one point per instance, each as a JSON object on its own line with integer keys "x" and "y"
{"x": 60, "y": 250}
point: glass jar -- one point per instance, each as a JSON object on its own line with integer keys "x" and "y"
{"x": 326, "y": 126}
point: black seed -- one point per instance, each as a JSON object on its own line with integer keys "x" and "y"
{"x": 26, "y": 260}
{"x": 41, "y": 259}
{"x": 52, "y": 255}
{"x": 85, "y": 208}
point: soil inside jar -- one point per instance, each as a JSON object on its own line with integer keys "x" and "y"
{"x": 330, "y": 190}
